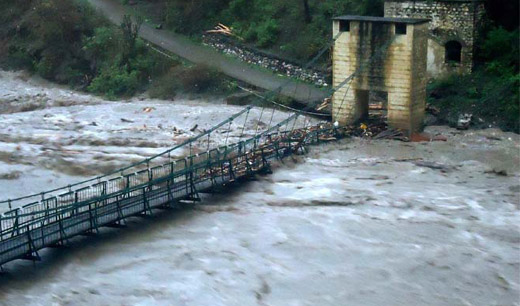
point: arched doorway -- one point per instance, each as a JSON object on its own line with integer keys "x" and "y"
{"x": 453, "y": 51}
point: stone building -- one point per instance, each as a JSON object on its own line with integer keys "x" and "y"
{"x": 453, "y": 32}
{"x": 383, "y": 55}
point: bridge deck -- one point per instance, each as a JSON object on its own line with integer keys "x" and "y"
{"x": 54, "y": 220}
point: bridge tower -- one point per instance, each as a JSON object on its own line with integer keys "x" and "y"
{"x": 383, "y": 55}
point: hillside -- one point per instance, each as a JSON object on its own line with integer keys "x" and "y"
{"x": 82, "y": 49}
{"x": 296, "y": 30}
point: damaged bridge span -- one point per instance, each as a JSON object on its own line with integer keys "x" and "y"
{"x": 53, "y": 217}
{"x": 42, "y": 220}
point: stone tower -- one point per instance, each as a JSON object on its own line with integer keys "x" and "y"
{"x": 453, "y": 31}
{"x": 387, "y": 55}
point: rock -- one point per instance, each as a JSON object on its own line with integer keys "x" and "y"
{"x": 499, "y": 172}
{"x": 432, "y": 110}
{"x": 434, "y": 165}
{"x": 430, "y": 119}
{"x": 464, "y": 121}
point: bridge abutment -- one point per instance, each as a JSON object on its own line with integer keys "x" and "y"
{"x": 385, "y": 55}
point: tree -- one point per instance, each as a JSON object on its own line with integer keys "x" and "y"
{"x": 307, "y": 11}
{"x": 130, "y": 34}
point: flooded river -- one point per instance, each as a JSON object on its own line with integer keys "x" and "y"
{"x": 357, "y": 222}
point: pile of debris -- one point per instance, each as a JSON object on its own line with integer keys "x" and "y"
{"x": 375, "y": 129}
{"x": 378, "y": 129}
{"x": 265, "y": 60}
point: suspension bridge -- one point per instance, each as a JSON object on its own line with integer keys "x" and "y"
{"x": 51, "y": 218}
{"x": 208, "y": 163}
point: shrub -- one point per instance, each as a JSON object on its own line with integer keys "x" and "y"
{"x": 65, "y": 41}
{"x": 494, "y": 100}
{"x": 18, "y": 58}
{"x": 165, "y": 86}
{"x": 267, "y": 33}
{"x": 198, "y": 79}
{"x": 102, "y": 44}
{"x": 115, "y": 81}
{"x": 492, "y": 91}
{"x": 191, "y": 17}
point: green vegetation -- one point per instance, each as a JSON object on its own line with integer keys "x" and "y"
{"x": 35, "y": 38}
{"x": 491, "y": 93}
{"x": 66, "y": 42}
{"x": 293, "y": 28}
{"x": 197, "y": 79}
{"x": 299, "y": 28}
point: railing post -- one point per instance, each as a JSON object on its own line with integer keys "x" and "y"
{"x": 169, "y": 188}
{"x": 75, "y": 210}
{"x": 209, "y": 170}
{"x": 231, "y": 172}
{"x": 90, "y": 217}
{"x": 62, "y": 230}
{"x": 120, "y": 216}
{"x": 33, "y": 253}
{"x": 186, "y": 175}
{"x": 104, "y": 203}
{"x": 46, "y": 208}
{"x": 41, "y": 231}
{"x": 146, "y": 204}
{"x": 191, "y": 175}
{"x": 221, "y": 163}
{"x": 127, "y": 188}
{"x": 1, "y": 230}
{"x": 16, "y": 222}
{"x": 248, "y": 166}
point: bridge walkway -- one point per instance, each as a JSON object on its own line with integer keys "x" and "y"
{"x": 53, "y": 219}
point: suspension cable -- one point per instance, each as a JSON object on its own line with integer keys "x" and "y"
{"x": 196, "y": 138}
{"x": 271, "y": 120}
{"x": 244, "y": 126}
{"x": 281, "y": 105}
{"x": 259, "y": 120}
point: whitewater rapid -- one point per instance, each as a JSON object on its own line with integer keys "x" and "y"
{"x": 358, "y": 222}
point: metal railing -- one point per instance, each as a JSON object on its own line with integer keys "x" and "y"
{"x": 53, "y": 220}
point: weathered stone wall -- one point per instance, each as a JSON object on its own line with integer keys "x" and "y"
{"x": 457, "y": 20}
{"x": 381, "y": 61}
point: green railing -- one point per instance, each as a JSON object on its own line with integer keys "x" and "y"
{"x": 52, "y": 220}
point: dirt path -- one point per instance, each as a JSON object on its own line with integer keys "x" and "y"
{"x": 199, "y": 54}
